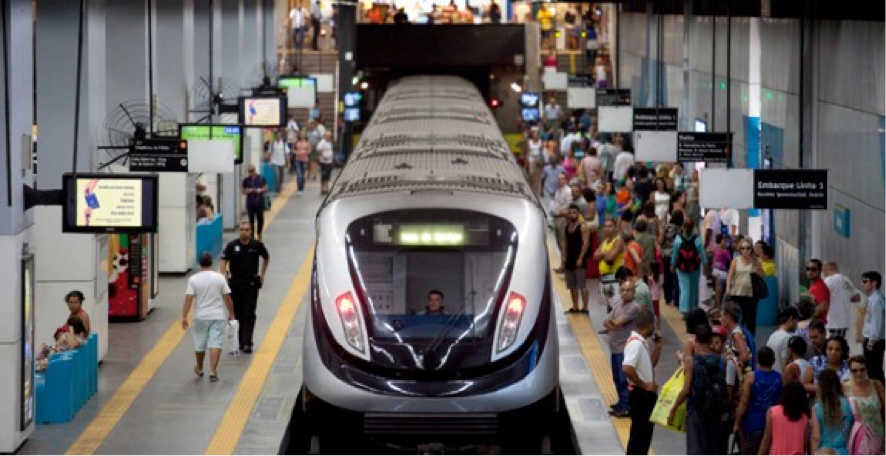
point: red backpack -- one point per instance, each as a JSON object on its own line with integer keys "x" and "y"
{"x": 688, "y": 259}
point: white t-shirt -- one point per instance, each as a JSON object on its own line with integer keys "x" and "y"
{"x": 778, "y": 342}
{"x": 552, "y": 111}
{"x": 636, "y": 355}
{"x": 566, "y": 144}
{"x": 291, "y": 131}
{"x": 842, "y": 290}
{"x": 729, "y": 218}
{"x": 297, "y": 17}
{"x": 324, "y": 151}
{"x": 279, "y": 151}
{"x": 208, "y": 289}
{"x": 623, "y": 161}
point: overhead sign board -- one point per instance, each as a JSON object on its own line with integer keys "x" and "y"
{"x": 704, "y": 147}
{"x": 655, "y": 119}
{"x": 158, "y": 155}
{"x": 613, "y": 97}
{"x": 581, "y": 80}
{"x": 790, "y": 189}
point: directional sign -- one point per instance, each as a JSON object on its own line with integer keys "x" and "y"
{"x": 704, "y": 147}
{"x": 158, "y": 155}
{"x": 581, "y": 80}
{"x": 790, "y": 189}
{"x": 655, "y": 119}
{"x": 613, "y": 97}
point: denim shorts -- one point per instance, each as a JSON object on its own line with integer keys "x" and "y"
{"x": 208, "y": 333}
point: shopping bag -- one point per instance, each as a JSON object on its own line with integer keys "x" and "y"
{"x": 860, "y": 313}
{"x": 232, "y": 338}
{"x": 666, "y": 398}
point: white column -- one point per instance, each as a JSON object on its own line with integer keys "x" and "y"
{"x": 56, "y": 62}
{"x": 755, "y": 219}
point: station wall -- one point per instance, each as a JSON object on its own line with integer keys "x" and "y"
{"x": 847, "y": 116}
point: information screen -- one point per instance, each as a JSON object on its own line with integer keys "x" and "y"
{"x": 27, "y": 392}
{"x": 529, "y": 99}
{"x": 443, "y": 234}
{"x": 102, "y": 203}
{"x": 201, "y": 131}
{"x": 262, "y": 111}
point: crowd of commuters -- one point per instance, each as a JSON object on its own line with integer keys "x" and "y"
{"x": 638, "y": 228}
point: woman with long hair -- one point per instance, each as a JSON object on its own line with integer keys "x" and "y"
{"x": 738, "y": 282}
{"x": 866, "y": 397}
{"x": 787, "y": 423}
{"x": 831, "y": 416}
{"x": 661, "y": 198}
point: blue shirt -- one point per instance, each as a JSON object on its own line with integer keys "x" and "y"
{"x": 765, "y": 393}
{"x": 873, "y": 320}
{"x": 835, "y": 437}
{"x": 549, "y": 177}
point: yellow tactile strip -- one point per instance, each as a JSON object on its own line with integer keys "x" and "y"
{"x": 592, "y": 350}
{"x": 228, "y": 432}
{"x": 101, "y": 426}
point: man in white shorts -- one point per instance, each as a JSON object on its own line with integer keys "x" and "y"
{"x": 210, "y": 295}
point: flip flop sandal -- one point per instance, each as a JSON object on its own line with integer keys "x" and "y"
{"x": 213, "y": 377}
{"x": 198, "y": 372}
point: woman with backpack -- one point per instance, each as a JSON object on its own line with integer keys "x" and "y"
{"x": 760, "y": 390}
{"x": 831, "y": 416}
{"x": 704, "y": 391}
{"x": 739, "y": 285}
{"x": 787, "y": 423}
{"x": 687, "y": 258}
{"x": 867, "y": 403}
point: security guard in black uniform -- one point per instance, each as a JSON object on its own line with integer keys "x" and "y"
{"x": 242, "y": 254}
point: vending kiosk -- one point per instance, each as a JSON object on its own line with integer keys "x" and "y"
{"x": 130, "y": 279}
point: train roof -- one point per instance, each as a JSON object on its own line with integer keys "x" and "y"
{"x": 432, "y": 133}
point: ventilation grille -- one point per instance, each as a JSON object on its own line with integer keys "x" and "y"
{"x": 437, "y": 424}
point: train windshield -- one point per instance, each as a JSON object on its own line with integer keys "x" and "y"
{"x": 430, "y": 282}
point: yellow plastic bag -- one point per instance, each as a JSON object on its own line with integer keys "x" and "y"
{"x": 666, "y": 398}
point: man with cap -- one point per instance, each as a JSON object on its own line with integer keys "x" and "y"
{"x": 778, "y": 341}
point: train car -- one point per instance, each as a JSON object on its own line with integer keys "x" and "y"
{"x": 431, "y": 325}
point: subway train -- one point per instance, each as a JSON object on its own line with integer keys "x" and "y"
{"x": 431, "y": 324}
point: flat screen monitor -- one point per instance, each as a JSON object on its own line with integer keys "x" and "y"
{"x": 352, "y": 99}
{"x": 530, "y": 115}
{"x": 529, "y": 99}
{"x": 201, "y": 131}
{"x": 285, "y": 82}
{"x": 263, "y": 111}
{"x": 110, "y": 203}
{"x": 352, "y": 114}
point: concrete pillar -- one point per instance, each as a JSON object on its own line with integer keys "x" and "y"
{"x": 234, "y": 71}
{"x": 56, "y": 63}
{"x": 17, "y": 335}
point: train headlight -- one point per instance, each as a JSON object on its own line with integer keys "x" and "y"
{"x": 507, "y": 331}
{"x": 350, "y": 320}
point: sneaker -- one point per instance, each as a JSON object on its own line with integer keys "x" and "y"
{"x": 213, "y": 377}
{"x": 198, "y": 372}
{"x": 620, "y": 413}
{"x": 247, "y": 349}
{"x": 301, "y": 192}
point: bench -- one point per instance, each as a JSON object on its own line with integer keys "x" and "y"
{"x": 69, "y": 381}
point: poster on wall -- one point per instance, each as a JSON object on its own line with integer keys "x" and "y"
{"x": 27, "y": 359}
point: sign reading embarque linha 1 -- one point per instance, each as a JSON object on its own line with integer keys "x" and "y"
{"x": 790, "y": 189}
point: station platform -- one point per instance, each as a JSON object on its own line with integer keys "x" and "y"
{"x": 150, "y": 402}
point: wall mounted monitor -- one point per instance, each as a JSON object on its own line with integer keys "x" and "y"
{"x": 530, "y": 115}
{"x": 352, "y": 114}
{"x": 301, "y": 91}
{"x": 201, "y": 131}
{"x": 352, "y": 99}
{"x": 529, "y": 99}
{"x": 110, "y": 203}
{"x": 269, "y": 112}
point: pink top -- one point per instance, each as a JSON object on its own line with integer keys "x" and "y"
{"x": 788, "y": 437}
{"x": 722, "y": 259}
{"x": 570, "y": 165}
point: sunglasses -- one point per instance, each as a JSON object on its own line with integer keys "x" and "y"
{"x": 745, "y": 248}
{"x": 860, "y": 370}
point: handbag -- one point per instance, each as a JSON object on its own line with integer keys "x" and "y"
{"x": 267, "y": 201}
{"x": 666, "y": 400}
{"x": 232, "y": 338}
{"x": 761, "y": 290}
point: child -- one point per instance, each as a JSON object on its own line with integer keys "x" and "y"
{"x": 722, "y": 260}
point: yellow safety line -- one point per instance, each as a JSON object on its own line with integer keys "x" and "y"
{"x": 228, "y": 432}
{"x": 101, "y": 426}
{"x": 671, "y": 315}
{"x": 593, "y": 352}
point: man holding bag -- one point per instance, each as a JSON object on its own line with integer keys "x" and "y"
{"x": 210, "y": 295}
{"x": 639, "y": 366}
